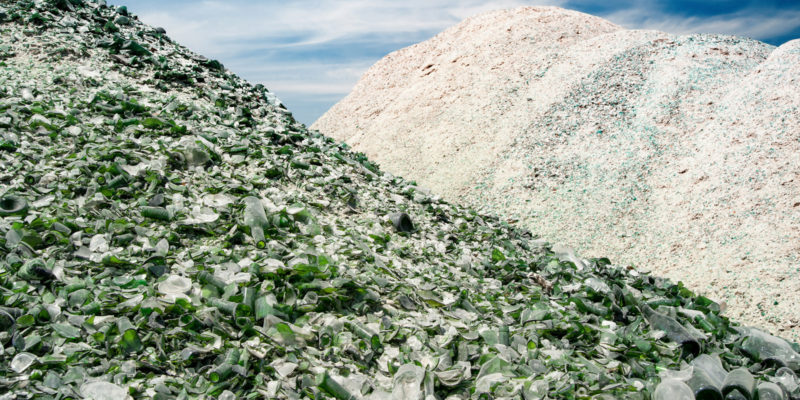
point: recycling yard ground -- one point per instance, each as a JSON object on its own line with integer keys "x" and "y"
{"x": 167, "y": 230}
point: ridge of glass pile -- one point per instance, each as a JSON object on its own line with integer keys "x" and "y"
{"x": 136, "y": 262}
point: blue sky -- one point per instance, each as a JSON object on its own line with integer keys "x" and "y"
{"x": 311, "y": 53}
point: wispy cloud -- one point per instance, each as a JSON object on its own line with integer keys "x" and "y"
{"x": 301, "y": 49}
{"x": 753, "y": 23}
{"x": 224, "y": 27}
{"x": 311, "y": 53}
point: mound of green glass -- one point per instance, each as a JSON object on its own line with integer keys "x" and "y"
{"x": 168, "y": 231}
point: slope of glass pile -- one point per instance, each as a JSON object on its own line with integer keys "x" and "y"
{"x": 168, "y": 231}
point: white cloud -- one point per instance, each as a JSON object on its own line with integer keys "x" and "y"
{"x": 228, "y": 27}
{"x": 749, "y": 22}
{"x": 239, "y": 33}
{"x": 307, "y": 78}
{"x": 230, "y": 30}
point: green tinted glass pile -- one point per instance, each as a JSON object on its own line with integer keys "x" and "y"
{"x": 168, "y": 231}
